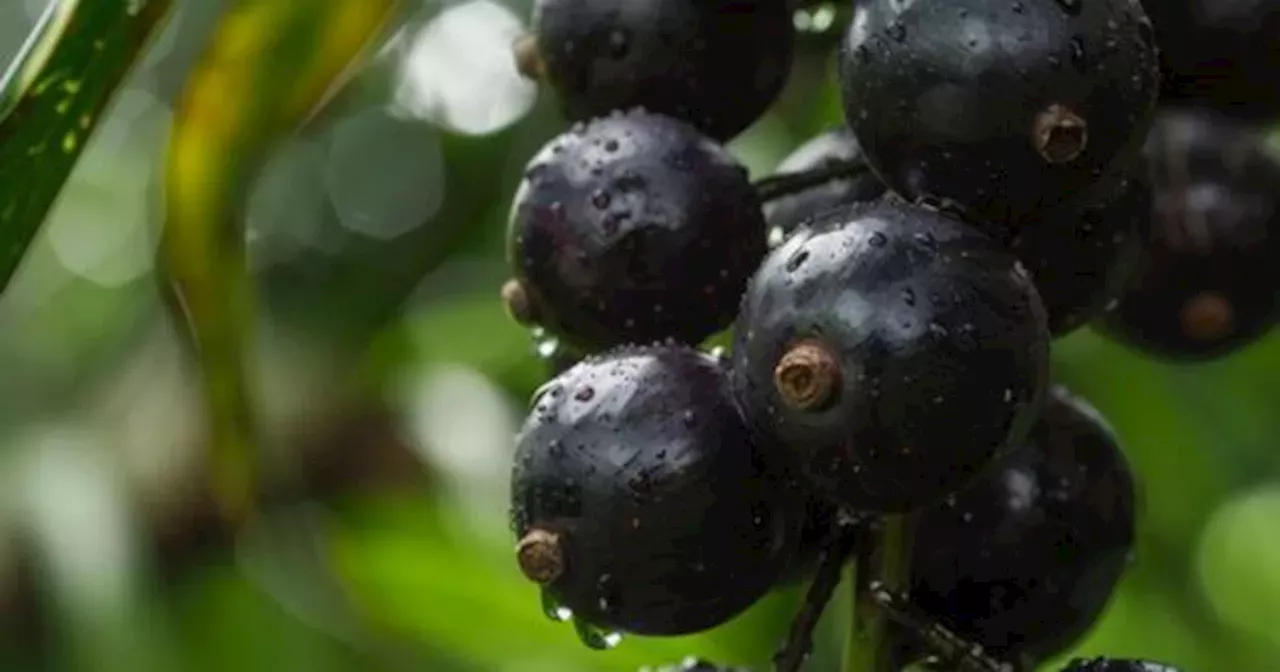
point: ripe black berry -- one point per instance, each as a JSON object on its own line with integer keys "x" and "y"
{"x": 1081, "y": 255}
{"x": 634, "y": 228}
{"x": 717, "y": 64}
{"x": 640, "y": 501}
{"x": 1001, "y": 105}
{"x": 895, "y": 348}
{"x": 1224, "y": 54}
{"x": 1116, "y": 665}
{"x": 836, "y": 147}
{"x": 1023, "y": 562}
{"x": 1207, "y": 281}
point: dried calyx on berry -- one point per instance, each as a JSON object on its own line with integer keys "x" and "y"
{"x": 717, "y": 64}
{"x": 1005, "y": 107}
{"x": 1206, "y": 281}
{"x": 640, "y": 501}
{"x": 895, "y": 349}
{"x": 633, "y": 228}
{"x": 1023, "y": 562}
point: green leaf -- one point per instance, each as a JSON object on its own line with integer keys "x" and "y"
{"x": 53, "y": 98}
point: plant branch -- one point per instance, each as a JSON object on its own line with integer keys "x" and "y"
{"x": 786, "y": 184}
{"x": 836, "y": 550}
{"x": 961, "y": 655}
{"x": 883, "y": 561}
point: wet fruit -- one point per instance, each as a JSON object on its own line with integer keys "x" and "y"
{"x": 717, "y": 64}
{"x": 1004, "y": 106}
{"x": 634, "y": 228}
{"x": 1081, "y": 255}
{"x": 1025, "y": 560}
{"x": 894, "y": 348}
{"x": 836, "y": 147}
{"x": 1116, "y": 665}
{"x": 639, "y": 499}
{"x": 1207, "y": 280}
{"x": 1220, "y": 54}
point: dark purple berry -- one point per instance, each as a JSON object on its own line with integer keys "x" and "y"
{"x": 1207, "y": 282}
{"x": 717, "y": 64}
{"x": 634, "y": 228}
{"x": 1003, "y": 106}
{"x": 834, "y": 148}
{"x": 1081, "y": 255}
{"x": 1220, "y": 54}
{"x": 893, "y": 347}
{"x": 1116, "y": 665}
{"x": 640, "y": 500}
{"x": 1024, "y": 561}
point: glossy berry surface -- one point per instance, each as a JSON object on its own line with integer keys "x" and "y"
{"x": 1207, "y": 281}
{"x": 1221, "y": 54}
{"x": 717, "y": 64}
{"x": 1003, "y": 106}
{"x": 1116, "y": 665}
{"x": 640, "y": 501}
{"x": 834, "y": 148}
{"x": 894, "y": 348}
{"x": 634, "y": 228}
{"x": 1081, "y": 255}
{"x": 1023, "y": 562}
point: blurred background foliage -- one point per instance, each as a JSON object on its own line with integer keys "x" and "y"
{"x": 393, "y": 382}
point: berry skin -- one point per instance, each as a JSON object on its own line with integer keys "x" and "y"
{"x": 1003, "y": 106}
{"x": 1082, "y": 255}
{"x": 634, "y": 228}
{"x": 1206, "y": 284}
{"x": 641, "y": 502}
{"x": 1221, "y": 54}
{"x": 1116, "y": 665}
{"x": 896, "y": 349}
{"x": 836, "y": 147}
{"x": 1023, "y": 562}
{"x": 717, "y": 64}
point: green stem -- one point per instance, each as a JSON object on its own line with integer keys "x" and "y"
{"x": 883, "y": 561}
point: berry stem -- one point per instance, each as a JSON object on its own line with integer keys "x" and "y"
{"x": 785, "y": 184}
{"x": 839, "y": 545}
{"x": 882, "y": 563}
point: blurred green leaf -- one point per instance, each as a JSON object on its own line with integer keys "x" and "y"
{"x": 54, "y": 97}
{"x": 283, "y": 59}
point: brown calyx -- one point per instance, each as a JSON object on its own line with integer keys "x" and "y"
{"x": 528, "y": 58}
{"x": 1207, "y": 316}
{"x": 807, "y": 377}
{"x": 541, "y": 556}
{"x": 518, "y": 302}
{"x": 1059, "y": 135}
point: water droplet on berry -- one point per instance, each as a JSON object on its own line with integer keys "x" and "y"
{"x": 1078, "y": 56}
{"x": 878, "y": 239}
{"x": 797, "y": 260}
{"x": 595, "y": 638}
{"x": 553, "y": 609}
{"x": 585, "y": 393}
{"x": 601, "y": 199}
{"x": 897, "y": 31}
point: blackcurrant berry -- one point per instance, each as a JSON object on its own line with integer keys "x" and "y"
{"x": 1081, "y": 255}
{"x": 634, "y": 228}
{"x": 896, "y": 349}
{"x": 640, "y": 500}
{"x": 1222, "y": 54}
{"x": 1206, "y": 283}
{"x": 836, "y": 147}
{"x": 1023, "y": 562}
{"x": 1004, "y": 106}
{"x": 1116, "y": 665}
{"x": 717, "y": 64}
{"x": 820, "y": 521}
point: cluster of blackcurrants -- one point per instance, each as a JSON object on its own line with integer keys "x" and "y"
{"x": 1010, "y": 171}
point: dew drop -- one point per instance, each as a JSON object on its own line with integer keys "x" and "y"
{"x": 1078, "y": 56}
{"x": 797, "y": 260}
{"x": 553, "y": 609}
{"x": 601, "y": 199}
{"x": 585, "y": 393}
{"x": 595, "y": 638}
{"x": 897, "y": 31}
{"x": 878, "y": 239}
